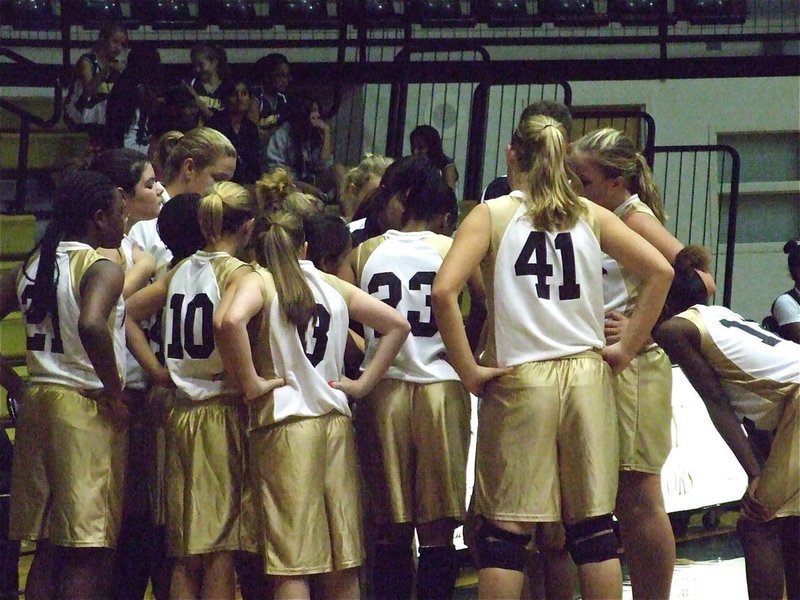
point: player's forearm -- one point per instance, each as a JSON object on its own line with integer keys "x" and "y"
{"x": 454, "y": 336}
{"x": 99, "y": 346}
{"x": 233, "y": 343}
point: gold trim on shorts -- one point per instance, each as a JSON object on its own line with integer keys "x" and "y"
{"x": 310, "y": 498}
{"x": 68, "y": 474}
{"x": 547, "y": 447}
{"x": 206, "y": 483}
{"x": 643, "y": 393}
{"x": 414, "y": 440}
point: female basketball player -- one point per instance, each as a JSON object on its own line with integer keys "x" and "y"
{"x": 205, "y": 494}
{"x": 301, "y": 435}
{"x": 71, "y": 438}
{"x": 541, "y": 375}
{"x": 615, "y": 176}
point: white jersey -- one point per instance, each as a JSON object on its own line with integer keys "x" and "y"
{"x": 145, "y": 233}
{"x": 135, "y": 376}
{"x": 786, "y": 308}
{"x": 759, "y": 370}
{"x": 55, "y": 353}
{"x": 191, "y": 356}
{"x": 307, "y": 362}
{"x": 544, "y": 289}
{"x": 620, "y": 288}
{"x": 398, "y": 268}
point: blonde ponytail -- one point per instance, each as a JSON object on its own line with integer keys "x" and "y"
{"x": 279, "y": 238}
{"x": 540, "y": 147}
{"x": 224, "y": 209}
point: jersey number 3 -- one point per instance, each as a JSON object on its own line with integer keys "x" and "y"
{"x": 316, "y": 343}
{"x": 536, "y": 248}
{"x": 419, "y": 327}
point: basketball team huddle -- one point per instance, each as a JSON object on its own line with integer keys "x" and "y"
{"x": 278, "y": 413}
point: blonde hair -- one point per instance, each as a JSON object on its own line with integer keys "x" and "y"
{"x": 303, "y": 205}
{"x": 164, "y": 146}
{"x": 540, "y": 147}
{"x": 202, "y": 144}
{"x": 273, "y": 187}
{"x": 616, "y": 155}
{"x": 224, "y": 209}
{"x": 372, "y": 165}
{"x": 278, "y": 239}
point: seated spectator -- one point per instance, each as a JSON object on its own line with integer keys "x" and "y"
{"x": 210, "y": 67}
{"x": 133, "y": 99}
{"x": 303, "y": 145}
{"x": 358, "y": 182}
{"x": 232, "y": 121}
{"x": 273, "y": 70}
{"x": 177, "y": 111}
{"x": 426, "y": 141}
{"x": 92, "y": 80}
{"x": 786, "y": 308}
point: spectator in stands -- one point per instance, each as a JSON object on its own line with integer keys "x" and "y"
{"x": 133, "y": 100}
{"x": 210, "y": 67}
{"x": 92, "y": 80}
{"x": 273, "y": 69}
{"x": 426, "y": 141}
{"x": 499, "y": 186}
{"x": 786, "y": 308}
{"x": 303, "y": 144}
{"x": 232, "y": 122}
{"x": 177, "y": 111}
{"x": 357, "y": 184}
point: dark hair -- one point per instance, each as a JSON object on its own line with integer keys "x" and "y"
{"x": 266, "y": 65}
{"x": 131, "y": 91}
{"x": 549, "y": 108}
{"x": 80, "y": 195}
{"x": 178, "y": 112}
{"x": 327, "y": 236}
{"x": 429, "y": 196}
{"x": 431, "y": 138}
{"x": 109, "y": 30}
{"x": 228, "y": 87}
{"x": 179, "y": 228}
{"x": 123, "y": 166}
{"x": 792, "y": 248}
{"x": 687, "y": 288}
{"x": 297, "y": 113}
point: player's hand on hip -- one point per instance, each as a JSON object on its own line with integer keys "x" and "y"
{"x": 617, "y": 357}
{"x": 751, "y": 508}
{"x": 476, "y": 381}
{"x": 261, "y": 387}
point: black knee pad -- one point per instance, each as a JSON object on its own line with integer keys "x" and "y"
{"x": 592, "y": 540}
{"x": 501, "y": 549}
